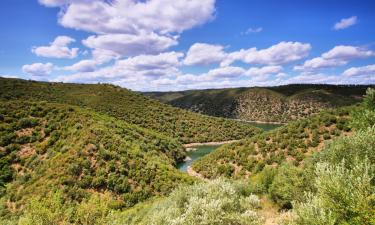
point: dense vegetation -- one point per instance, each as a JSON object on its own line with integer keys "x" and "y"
{"x": 134, "y": 108}
{"x": 46, "y": 147}
{"x": 275, "y": 104}
{"x": 214, "y": 202}
{"x": 293, "y": 143}
{"x": 84, "y": 163}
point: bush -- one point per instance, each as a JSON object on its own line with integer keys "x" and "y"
{"x": 215, "y": 202}
{"x": 344, "y": 183}
{"x": 344, "y": 196}
{"x": 289, "y": 184}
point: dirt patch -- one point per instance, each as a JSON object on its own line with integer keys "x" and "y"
{"x": 26, "y": 151}
{"x": 193, "y": 173}
{"x": 25, "y": 132}
{"x": 192, "y": 145}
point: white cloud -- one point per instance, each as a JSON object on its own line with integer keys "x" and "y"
{"x": 338, "y": 56}
{"x": 38, "y": 69}
{"x": 8, "y": 76}
{"x": 138, "y": 67}
{"x": 130, "y": 16}
{"x": 57, "y": 49}
{"x": 150, "y": 62}
{"x": 253, "y": 30}
{"x": 361, "y": 71}
{"x": 281, "y": 53}
{"x": 262, "y": 71}
{"x": 227, "y": 72}
{"x": 347, "y": 52}
{"x": 86, "y": 65}
{"x": 129, "y": 44}
{"x": 345, "y": 23}
{"x": 203, "y": 54}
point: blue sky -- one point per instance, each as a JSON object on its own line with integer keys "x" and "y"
{"x": 163, "y": 45}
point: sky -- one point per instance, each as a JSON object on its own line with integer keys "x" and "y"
{"x": 170, "y": 45}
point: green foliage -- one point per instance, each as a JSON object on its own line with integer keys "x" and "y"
{"x": 344, "y": 183}
{"x": 344, "y": 196}
{"x": 215, "y": 202}
{"x": 101, "y": 154}
{"x": 369, "y": 100}
{"x": 365, "y": 116}
{"x": 289, "y": 184}
{"x": 129, "y": 106}
{"x": 293, "y": 143}
{"x": 46, "y": 211}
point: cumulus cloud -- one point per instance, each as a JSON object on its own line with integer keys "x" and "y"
{"x": 138, "y": 67}
{"x": 361, "y": 71}
{"x": 313, "y": 78}
{"x": 203, "y": 54}
{"x": 338, "y": 56}
{"x": 130, "y": 16}
{"x": 345, "y": 23}
{"x": 131, "y": 27}
{"x": 86, "y": 65}
{"x": 38, "y": 69}
{"x": 281, "y": 53}
{"x": 129, "y": 44}
{"x": 57, "y": 49}
{"x": 227, "y": 72}
{"x": 263, "y": 71}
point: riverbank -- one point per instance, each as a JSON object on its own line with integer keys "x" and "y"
{"x": 261, "y": 122}
{"x": 192, "y": 173}
{"x": 214, "y": 143}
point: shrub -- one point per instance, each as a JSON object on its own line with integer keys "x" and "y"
{"x": 288, "y": 185}
{"x": 215, "y": 202}
{"x": 344, "y": 196}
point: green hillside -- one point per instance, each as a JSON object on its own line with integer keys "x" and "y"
{"x": 292, "y": 142}
{"x": 268, "y": 104}
{"x": 131, "y": 107}
{"x": 47, "y": 147}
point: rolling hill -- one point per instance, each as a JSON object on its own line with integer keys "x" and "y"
{"x": 267, "y": 104}
{"x": 290, "y": 143}
{"x": 131, "y": 107}
{"x": 48, "y": 147}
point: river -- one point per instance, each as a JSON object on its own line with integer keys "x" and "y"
{"x": 205, "y": 149}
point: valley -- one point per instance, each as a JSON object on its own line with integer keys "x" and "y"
{"x": 71, "y": 150}
{"x": 187, "y": 112}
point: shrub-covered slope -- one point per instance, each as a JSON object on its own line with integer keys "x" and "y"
{"x": 272, "y": 104}
{"x": 292, "y": 142}
{"x": 134, "y": 108}
{"x": 46, "y": 147}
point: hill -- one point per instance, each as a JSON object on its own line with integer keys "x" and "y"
{"x": 268, "y": 104}
{"x": 47, "y": 147}
{"x": 290, "y": 143}
{"x": 131, "y": 107}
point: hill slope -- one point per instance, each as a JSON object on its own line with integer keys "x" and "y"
{"x": 46, "y": 147}
{"x": 134, "y": 108}
{"x": 269, "y": 104}
{"x": 292, "y": 142}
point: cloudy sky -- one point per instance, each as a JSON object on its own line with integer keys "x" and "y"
{"x": 159, "y": 45}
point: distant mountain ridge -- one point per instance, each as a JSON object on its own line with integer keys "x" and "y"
{"x": 268, "y": 104}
